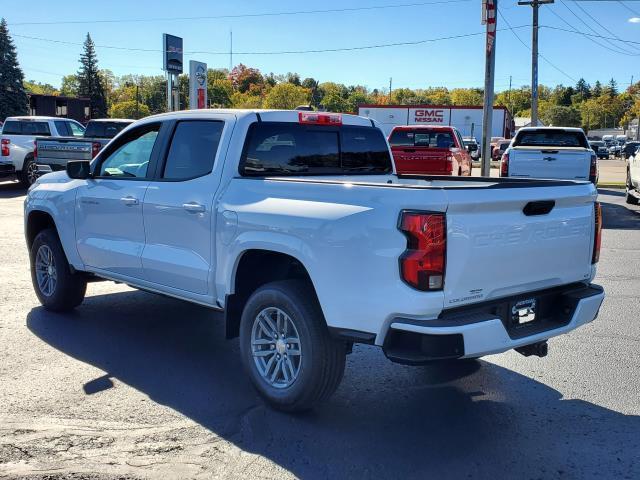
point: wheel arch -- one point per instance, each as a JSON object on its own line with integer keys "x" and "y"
{"x": 253, "y": 268}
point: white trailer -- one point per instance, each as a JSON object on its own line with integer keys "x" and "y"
{"x": 467, "y": 119}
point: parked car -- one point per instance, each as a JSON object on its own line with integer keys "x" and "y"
{"x": 429, "y": 150}
{"x": 18, "y": 142}
{"x": 633, "y": 179}
{"x": 499, "y": 148}
{"x": 550, "y": 152}
{"x": 630, "y": 148}
{"x": 471, "y": 144}
{"x": 615, "y": 150}
{"x": 599, "y": 148}
{"x": 53, "y": 153}
{"x": 294, "y": 224}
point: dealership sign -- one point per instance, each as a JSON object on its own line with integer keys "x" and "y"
{"x": 197, "y": 85}
{"x": 437, "y": 116}
{"x": 172, "y": 53}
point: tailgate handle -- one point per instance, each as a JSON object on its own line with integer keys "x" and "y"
{"x": 549, "y": 151}
{"x": 541, "y": 207}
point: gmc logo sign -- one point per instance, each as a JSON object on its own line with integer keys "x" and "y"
{"x": 429, "y": 116}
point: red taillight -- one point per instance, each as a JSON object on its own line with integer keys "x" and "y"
{"x": 449, "y": 163}
{"x": 320, "y": 118}
{"x": 422, "y": 265}
{"x": 95, "y": 148}
{"x": 597, "y": 237}
{"x": 5, "y": 147}
{"x": 504, "y": 165}
{"x": 593, "y": 170}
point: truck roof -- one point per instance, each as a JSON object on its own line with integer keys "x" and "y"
{"x": 559, "y": 129}
{"x": 36, "y": 117}
{"x": 116, "y": 120}
{"x": 424, "y": 127}
{"x": 265, "y": 114}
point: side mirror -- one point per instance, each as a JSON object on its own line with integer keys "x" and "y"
{"x": 79, "y": 169}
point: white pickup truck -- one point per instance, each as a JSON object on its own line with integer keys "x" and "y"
{"x": 295, "y": 225}
{"x": 17, "y": 143}
{"x": 633, "y": 178}
{"x": 550, "y": 152}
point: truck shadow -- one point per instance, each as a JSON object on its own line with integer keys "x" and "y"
{"x": 386, "y": 421}
{"x": 11, "y": 189}
{"x": 620, "y": 217}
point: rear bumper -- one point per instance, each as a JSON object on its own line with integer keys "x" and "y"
{"x": 484, "y": 329}
{"x": 7, "y": 169}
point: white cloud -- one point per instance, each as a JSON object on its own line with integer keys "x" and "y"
{"x": 634, "y": 20}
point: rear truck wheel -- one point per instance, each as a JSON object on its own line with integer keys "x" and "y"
{"x": 29, "y": 173}
{"x": 631, "y": 199}
{"x": 286, "y": 348}
{"x": 57, "y": 288}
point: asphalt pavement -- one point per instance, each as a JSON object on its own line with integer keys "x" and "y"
{"x": 134, "y": 385}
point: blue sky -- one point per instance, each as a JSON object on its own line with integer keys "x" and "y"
{"x": 451, "y": 63}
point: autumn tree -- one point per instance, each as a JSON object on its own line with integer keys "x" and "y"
{"x": 286, "y": 96}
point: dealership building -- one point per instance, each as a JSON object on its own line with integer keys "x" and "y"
{"x": 467, "y": 119}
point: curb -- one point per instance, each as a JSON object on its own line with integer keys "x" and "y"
{"x": 611, "y": 185}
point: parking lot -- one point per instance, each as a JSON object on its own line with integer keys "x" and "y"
{"x": 134, "y": 385}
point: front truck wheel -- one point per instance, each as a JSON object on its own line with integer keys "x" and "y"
{"x": 57, "y": 288}
{"x": 286, "y": 347}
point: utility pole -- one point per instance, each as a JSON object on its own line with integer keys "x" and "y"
{"x": 489, "y": 17}
{"x": 534, "y": 56}
{"x": 509, "y": 99}
{"x": 390, "y": 82}
{"x": 137, "y": 102}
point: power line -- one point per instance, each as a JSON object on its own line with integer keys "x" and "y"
{"x": 280, "y": 52}
{"x": 529, "y": 47}
{"x": 243, "y": 15}
{"x": 622, "y": 50}
{"x": 584, "y": 34}
{"x": 628, "y": 8}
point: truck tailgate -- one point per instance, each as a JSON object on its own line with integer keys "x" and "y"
{"x": 500, "y": 242}
{"x": 554, "y": 162}
{"x": 60, "y": 150}
{"x": 422, "y": 160}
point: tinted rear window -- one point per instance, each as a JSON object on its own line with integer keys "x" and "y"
{"x": 193, "y": 149}
{"x": 12, "y": 128}
{"x": 104, "y": 129}
{"x": 550, "y": 138}
{"x": 274, "y": 148}
{"x": 421, "y": 138}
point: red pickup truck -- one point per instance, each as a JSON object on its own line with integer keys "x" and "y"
{"x": 429, "y": 150}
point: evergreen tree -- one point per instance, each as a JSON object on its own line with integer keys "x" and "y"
{"x": 13, "y": 98}
{"x": 583, "y": 89}
{"x": 597, "y": 89}
{"x": 612, "y": 88}
{"x": 89, "y": 81}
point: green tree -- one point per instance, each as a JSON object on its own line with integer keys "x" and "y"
{"x": 127, "y": 109}
{"x": 597, "y": 89}
{"x": 246, "y": 100}
{"x": 286, "y": 96}
{"x": 38, "y": 88}
{"x": 612, "y": 88}
{"x": 69, "y": 87}
{"x": 13, "y": 98}
{"x": 583, "y": 89}
{"x": 312, "y": 85}
{"x": 562, "y": 116}
{"x": 467, "y": 96}
{"x": 89, "y": 80}
{"x": 334, "y": 97}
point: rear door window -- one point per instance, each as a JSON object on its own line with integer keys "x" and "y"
{"x": 550, "y": 138}
{"x": 62, "y": 128}
{"x": 275, "y": 148}
{"x": 193, "y": 149}
{"x": 95, "y": 130}
{"x": 12, "y": 128}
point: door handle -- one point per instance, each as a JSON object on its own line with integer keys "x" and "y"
{"x": 193, "y": 207}
{"x": 129, "y": 201}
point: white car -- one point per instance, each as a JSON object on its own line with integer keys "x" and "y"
{"x": 17, "y": 143}
{"x": 550, "y": 152}
{"x": 295, "y": 225}
{"x": 633, "y": 179}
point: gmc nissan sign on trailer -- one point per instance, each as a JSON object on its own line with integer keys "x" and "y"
{"x": 467, "y": 119}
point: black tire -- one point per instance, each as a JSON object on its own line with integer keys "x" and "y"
{"x": 322, "y": 360}
{"x": 28, "y": 176}
{"x": 69, "y": 288}
{"x": 631, "y": 199}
